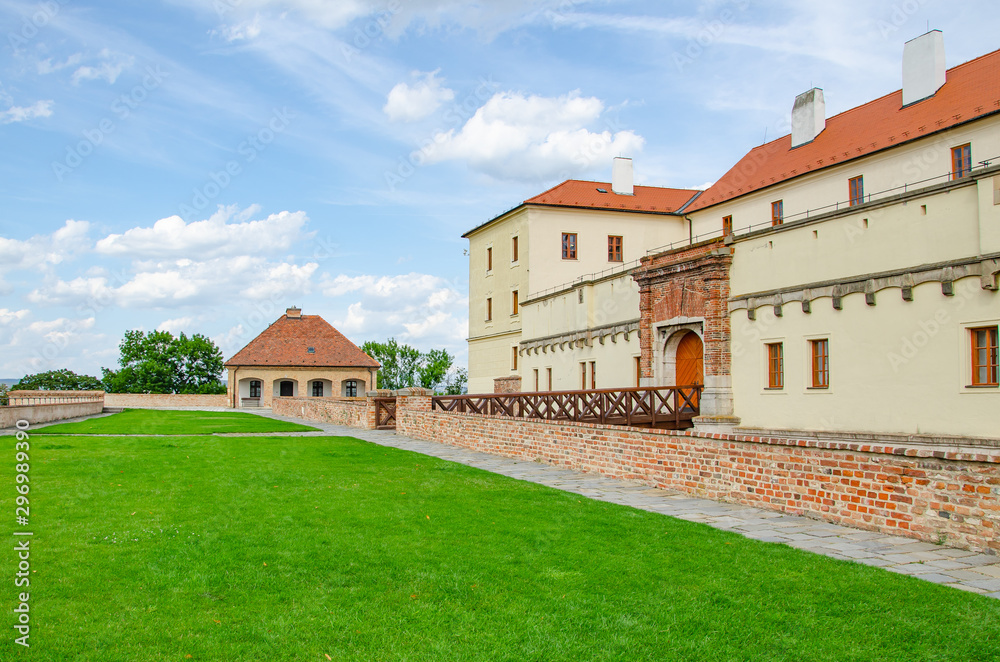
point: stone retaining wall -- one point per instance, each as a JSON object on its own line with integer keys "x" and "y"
{"x": 46, "y": 413}
{"x": 935, "y": 495}
{"x": 353, "y": 412}
{"x": 164, "y": 400}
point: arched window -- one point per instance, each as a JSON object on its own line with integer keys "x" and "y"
{"x": 351, "y": 388}
{"x": 255, "y": 388}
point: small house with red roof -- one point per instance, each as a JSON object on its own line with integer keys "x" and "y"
{"x": 299, "y": 355}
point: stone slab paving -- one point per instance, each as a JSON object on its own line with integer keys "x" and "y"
{"x": 958, "y": 568}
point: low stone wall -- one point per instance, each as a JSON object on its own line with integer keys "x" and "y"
{"x": 507, "y": 385}
{"x": 46, "y": 413}
{"x": 164, "y": 400}
{"x": 353, "y": 412}
{"x": 936, "y": 495}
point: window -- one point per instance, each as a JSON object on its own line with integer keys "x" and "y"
{"x": 317, "y": 389}
{"x": 569, "y": 246}
{"x": 514, "y": 307}
{"x": 489, "y": 259}
{"x": 254, "y": 388}
{"x": 351, "y": 388}
{"x": 513, "y": 358}
{"x": 984, "y": 356}
{"x": 961, "y": 160}
{"x": 489, "y": 309}
{"x": 638, "y": 371}
{"x": 727, "y": 226}
{"x": 614, "y": 249}
{"x": 777, "y": 212}
{"x": 857, "y": 188}
{"x": 593, "y": 374}
{"x": 548, "y": 378}
{"x": 536, "y": 379}
{"x": 513, "y": 249}
{"x": 583, "y": 375}
{"x": 775, "y": 365}
{"x": 820, "y": 363}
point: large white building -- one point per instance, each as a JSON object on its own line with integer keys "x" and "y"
{"x": 840, "y": 279}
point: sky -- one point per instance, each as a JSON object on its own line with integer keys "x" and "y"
{"x": 199, "y": 166}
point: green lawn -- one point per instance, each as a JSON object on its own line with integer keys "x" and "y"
{"x": 159, "y": 421}
{"x": 268, "y": 548}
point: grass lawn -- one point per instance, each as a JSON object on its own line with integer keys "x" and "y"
{"x": 159, "y": 421}
{"x": 267, "y": 548}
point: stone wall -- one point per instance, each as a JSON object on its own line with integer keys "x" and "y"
{"x": 46, "y": 413}
{"x": 353, "y": 412}
{"x": 507, "y": 384}
{"x": 164, "y": 400}
{"x": 932, "y": 494}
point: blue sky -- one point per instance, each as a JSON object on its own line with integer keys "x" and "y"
{"x": 199, "y": 166}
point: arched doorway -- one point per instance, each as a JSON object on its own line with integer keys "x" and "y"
{"x": 690, "y": 363}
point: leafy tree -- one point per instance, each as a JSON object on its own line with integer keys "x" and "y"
{"x": 457, "y": 382}
{"x": 58, "y": 380}
{"x": 434, "y": 366}
{"x": 4, "y": 399}
{"x": 399, "y": 363}
{"x": 157, "y": 362}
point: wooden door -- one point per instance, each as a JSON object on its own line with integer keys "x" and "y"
{"x": 690, "y": 361}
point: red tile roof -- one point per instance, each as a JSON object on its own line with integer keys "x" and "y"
{"x": 971, "y": 91}
{"x": 577, "y": 193}
{"x": 287, "y": 343}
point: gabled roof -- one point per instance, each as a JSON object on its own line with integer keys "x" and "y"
{"x": 287, "y": 343}
{"x": 971, "y": 92}
{"x": 579, "y": 194}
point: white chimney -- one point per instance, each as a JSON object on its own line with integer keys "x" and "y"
{"x": 621, "y": 176}
{"x": 923, "y": 67}
{"x": 808, "y": 116}
{"x": 293, "y": 313}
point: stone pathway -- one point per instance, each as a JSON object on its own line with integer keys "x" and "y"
{"x": 977, "y": 573}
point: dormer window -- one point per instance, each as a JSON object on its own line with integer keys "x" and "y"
{"x": 311, "y": 350}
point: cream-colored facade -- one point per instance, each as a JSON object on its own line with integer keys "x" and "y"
{"x": 332, "y": 382}
{"x": 573, "y": 315}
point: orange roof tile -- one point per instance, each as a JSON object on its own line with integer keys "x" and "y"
{"x": 287, "y": 343}
{"x": 971, "y": 91}
{"x": 577, "y": 193}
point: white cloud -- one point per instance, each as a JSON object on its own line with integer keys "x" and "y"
{"x": 111, "y": 66}
{"x": 8, "y": 317}
{"x": 408, "y": 103}
{"x": 216, "y": 236}
{"x": 418, "y": 308}
{"x": 176, "y": 325}
{"x": 243, "y": 31}
{"x": 46, "y": 66}
{"x": 13, "y": 114}
{"x": 41, "y": 250}
{"x": 518, "y": 137}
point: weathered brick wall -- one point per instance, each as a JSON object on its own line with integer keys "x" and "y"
{"x": 353, "y": 412}
{"x": 164, "y": 400}
{"x": 507, "y": 385}
{"x": 934, "y": 495}
{"x": 46, "y": 413}
{"x": 690, "y": 282}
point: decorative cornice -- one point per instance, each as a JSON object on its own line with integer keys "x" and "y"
{"x": 582, "y": 338}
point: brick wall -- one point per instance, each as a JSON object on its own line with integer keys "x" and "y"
{"x": 164, "y": 400}
{"x": 353, "y": 412}
{"x": 691, "y": 282}
{"x": 47, "y": 413}
{"x": 507, "y": 385}
{"x": 934, "y": 495}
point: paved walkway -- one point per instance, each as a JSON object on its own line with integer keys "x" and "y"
{"x": 978, "y": 573}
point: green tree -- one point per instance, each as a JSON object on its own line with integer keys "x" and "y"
{"x": 434, "y": 366}
{"x": 157, "y": 362}
{"x": 4, "y": 399}
{"x": 58, "y": 380}
{"x": 457, "y": 382}
{"x": 399, "y": 363}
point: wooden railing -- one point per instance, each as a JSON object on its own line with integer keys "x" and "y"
{"x": 654, "y": 407}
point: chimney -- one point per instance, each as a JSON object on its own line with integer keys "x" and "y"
{"x": 621, "y": 176}
{"x": 923, "y": 67}
{"x": 808, "y": 117}
{"x": 293, "y": 313}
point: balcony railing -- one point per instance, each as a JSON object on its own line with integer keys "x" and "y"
{"x": 668, "y": 407}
